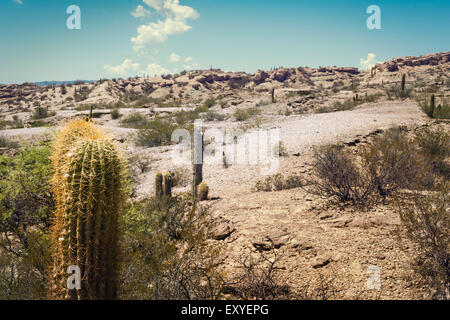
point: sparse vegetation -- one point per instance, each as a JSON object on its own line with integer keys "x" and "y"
{"x": 246, "y": 114}
{"x": 439, "y": 111}
{"x": 8, "y": 143}
{"x": 115, "y": 114}
{"x": 279, "y": 182}
{"x": 155, "y": 133}
{"x": 349, "y": 104}
{"x": 259, "y": 278}
{"x": 26, "y": 209}
{"x": 389, "y": 163}
{"x": 135, "y": 120}
{"x": 42, "y": 113}
{"x": 167, "y": 252}
{"x": 426, "y": 223}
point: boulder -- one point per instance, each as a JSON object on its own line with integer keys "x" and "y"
{"x": 161, "y": 93}
{"x": 274, "y": 240}
{"x": 281, "y": 75}
{"x": 222, "y": 230}
{"x": 259, "y": 77}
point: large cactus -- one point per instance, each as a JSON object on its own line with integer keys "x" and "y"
{"x": 89, "y": 194}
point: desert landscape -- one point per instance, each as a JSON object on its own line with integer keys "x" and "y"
{"x": 310, "y": 243}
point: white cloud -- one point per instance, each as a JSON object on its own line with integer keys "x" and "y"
{"x": 122, "y": 69}
{"x": 154, "y": 69}
{"x": 140, "y": 12}
{"x": 369, "y": 62}
{"x": 174, "y": 22}
{"x": 189, "y": 67}
{"x": 155, "y": 4}
{"x": 188, "y": 59}
{"x": 18, "y": 1}
{"x": 174, "y": 58}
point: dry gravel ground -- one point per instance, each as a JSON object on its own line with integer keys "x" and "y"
{"x": 339, "y": 244}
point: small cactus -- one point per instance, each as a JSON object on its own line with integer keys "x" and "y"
{"x": 273, "y": 95}
{"x": 167, "y": 184}
{"x": 159, "y": 184}
{"x": 202, "y": 191}
{"x": 403, "y": 82}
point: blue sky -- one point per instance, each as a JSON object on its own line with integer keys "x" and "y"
{"x": 122, "y": 38}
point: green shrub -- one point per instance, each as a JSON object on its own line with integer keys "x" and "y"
{"x": 214, "y": 116}
{"x": 435, "y": 146}
{"x": 278, "y": 182}
{"x": 349, "y": 104}
{"x": 8, "y": 143}
{"x": 167, "y": 251}
{"x": 434, "y": 109}
{"x": 155, "y": 133}
{"x": 393, "y": 161}
{"x": 135, "y": 120}
{"x": 209, "y": 103}
{"x": 26, "y": 207}
{"x": 396, "y": 92}
{"x": 115, "y": 114}
{"x": 246, "y": 114}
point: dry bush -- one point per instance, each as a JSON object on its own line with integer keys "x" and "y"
{"x": 392, "y": 161}
{"x": 426, "y": 222}
{"x": 259, "y": 278}
{"x": 181, "y": 177}
{"x": 336, "y": 175}
{"x": 323, "y": 289}
{"x": 278, "y": 182}
{"x": 435, "y": 146}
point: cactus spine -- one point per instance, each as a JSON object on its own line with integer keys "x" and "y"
{"x": 202, "y": 191}
{"x": 89, "y": 194}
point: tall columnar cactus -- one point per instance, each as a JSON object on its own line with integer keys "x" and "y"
{"x": 432, "y": 105}
{"x": 167, "y": 184}
{"x": 158, "y": 184}
{"x": 272, "y": 93}
{"x": 403, "y": 82}
{"x": 89, "y": 193}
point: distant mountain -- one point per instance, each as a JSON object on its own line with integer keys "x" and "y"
{"x": 49, "y": 83}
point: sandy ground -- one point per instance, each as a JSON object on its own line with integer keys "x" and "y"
{"x": 340, "y": 244}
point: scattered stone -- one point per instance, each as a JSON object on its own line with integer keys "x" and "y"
{"x": 222, "y": 230}
{"x": 321, "y": 261}
{"x": 272, "y": 241}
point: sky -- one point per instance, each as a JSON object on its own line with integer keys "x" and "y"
{"x": 123, "y": 38}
